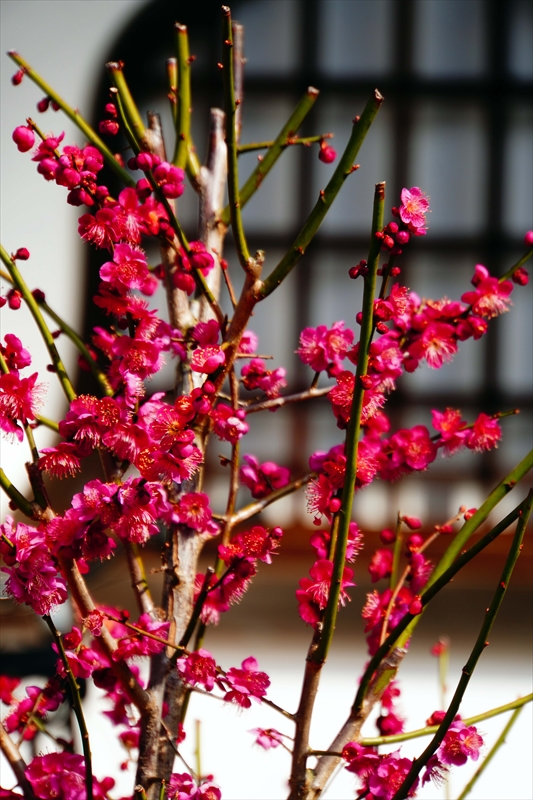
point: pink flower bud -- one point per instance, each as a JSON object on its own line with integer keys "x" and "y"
{"x": 109, "y": 126}
{"x": 414, "y": 542}
{"x": 184, "y": 281}
{"x": 520, "y": 276}
{"x": 39, "y": 295}
{"x": 111, "y": 109}
{"x": 354, "y": 272}
{"x": 101, "y": 193}
{"x": 326, "y": 153}
{"x": 55, "y": 106}
{"x": 392, "y": 227}
{"x": 359, "y": 317}
{"x": 387, "y": 536}
{"x": 43, "y": 104}
{"x": 17, "y": 77}
{"x": 382, "y": 328}
{"x": 24, "y": 138}
{"x": 14, "y": 299}
{"x": 528, "y": 238}
{"x": 402, "y": 237}
{"x": 470, "y": 513}
{"x": 22, "y": 254}
{"x": 144, "y": 161}
{"x": 132, "y": 163}
{"x": 415, "y": 606}
{"x": 388, "y": 242}
{"x": 143, "y": 188}
{"x": 395, "y": 211}
{"x": 334, "y": 505}
{"x": 395, "y": 271}
{"x": 412, "y": 522}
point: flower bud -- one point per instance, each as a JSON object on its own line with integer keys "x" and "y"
{"x": 43, "y": 104}
{"x": 402, "y": 237}
{"x": 14, "y": 299}
{"x": 144, "y": 161}
{"x": 24, "y": 138}
{"x": 39, "y": 295}
{"x": 143, "y": 188}
{"x": 22, "y": 254}
{"x": 412, "y": 522}
{"x": 387, "y": 536}
{"x": 415, "y": 606}
{"x": 17, "y": 77}
{"x": 111, "y": 109}
{"x": 520, "y": 276}
{"x": 414, "y": 542}
{"x": 109, "y": 126}
{"x": 326, "y": 153}
{"x": 334, "y": 505}
{"x": 528, "y": 238}
{"x": 392, "y": 227}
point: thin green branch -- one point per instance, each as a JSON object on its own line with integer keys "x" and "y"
{"x": 76, "y": 704}
{"x": 15, "y": 496}
{"x": 35, "y": 311}
{"x": 345, "y": 167}
{"x": 427, "y": 595}
{"x": 255, "y": 508}
{"x": 183, "y": 107}
{"x": 131, "y": 112}
{"x": 353, "y": 431}
{"x": 230, "y": 108}
{"x": 521, "y": 261}
{"x": 490, "y": 755}
{"x": 48, "y": 423}
{"x": 276, "y": 148}
{"x": 378, "y": 741}
{"x": 74, "y": 115}
{"x": 172, "y": 80}
{"x": 289, "y": 142}
{"x": 477, "y": 650}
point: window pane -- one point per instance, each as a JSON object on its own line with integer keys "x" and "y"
{"x": 335, "y": 296}
{"x": 356, "y": 38}
{"x": 449, "y": 38}
{"x": 517, "y": 171}
{"x": 352, "y": 210}
{"x": 449, "y": 162}
{"x": 521, "y": 39}
{"x": 273, "y": 207}
{"x": 271, "y": 35}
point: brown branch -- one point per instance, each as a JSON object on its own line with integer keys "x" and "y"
{"x": 16, "y": 762}
{"x": 255, "y": 508}
{"x": 278, "y": 402}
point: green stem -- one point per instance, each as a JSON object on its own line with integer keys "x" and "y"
{"x": 527, "y": 255}
{"x": 353, "y": 431}
{"x": 378, "y": 741}
{"x": 425, "y": 597}
{"x": 19, "y": 282}
{"x": 48, "y": 423}
{"x": 289, "y": 142}
{"x": 230, "y": 109}
{"x": 76, "y": 704}
{"x": 129, "y": 107}
{"x": 324, "y": 202}
{"x": 15, "y": 496}
{"x": 125, "y": 122}
{"x": 74, "y": 115}
{"x": 276, "y": 148}
{"x": 183, "y": 108}
{"x": 395, "y": 572}
{"x": 477, "y": 650}
{"x": 172, "y": 80}
{"x": 490, "y": 755}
